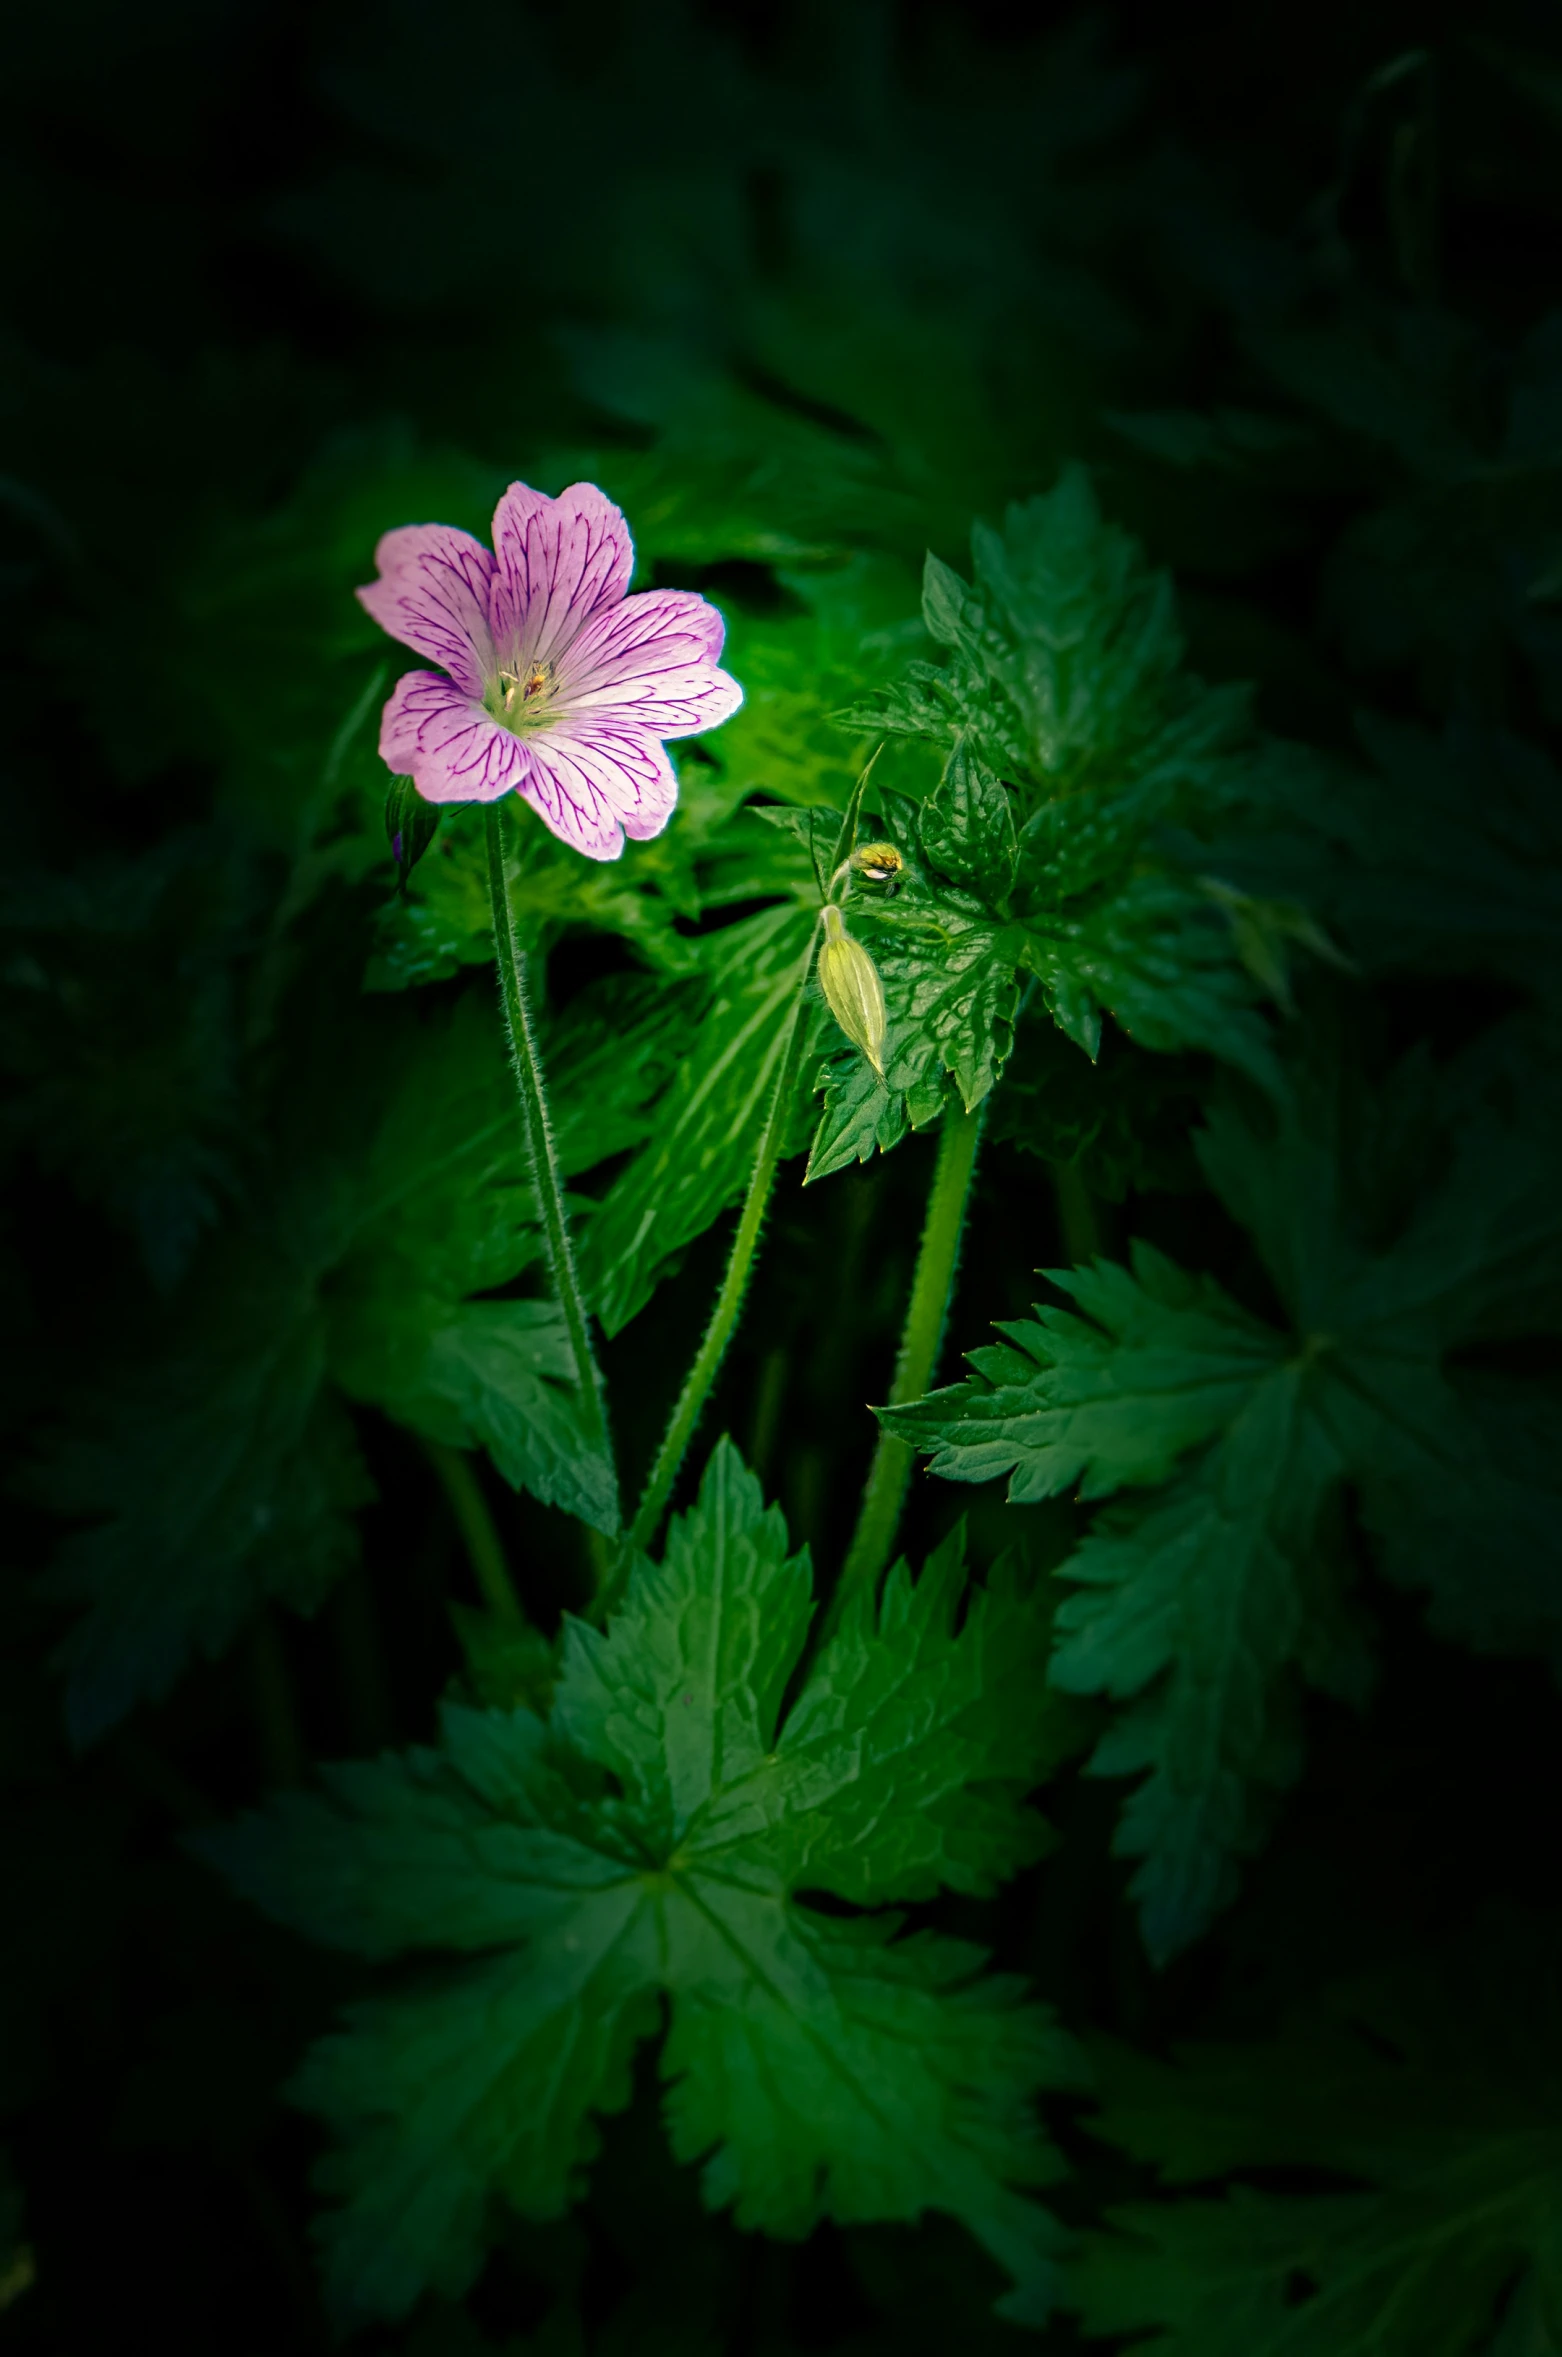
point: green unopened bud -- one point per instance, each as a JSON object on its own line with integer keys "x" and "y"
{"x": 855, "y": 995}
{"x": 410, "y": 826}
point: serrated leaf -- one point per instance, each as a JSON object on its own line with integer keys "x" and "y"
{"x": 967, "y": 827}
{"x": 948, "y": 971}
{"x": 862, "y": 1116}
{"x": 857, "y": 1797}
{"x": 815, "y": 2066}
{"x": 1092, "y": 630}
{"x": 1201, "y": 1606}
{"x": 944, "y": 597}
{"x": 1072, "y": 738}
{"x": 1205, "y": 1603}
{"x": 1157, "y": 1363}
{"x": 498, "y": 1375}
{"x": 1165, "y": 964}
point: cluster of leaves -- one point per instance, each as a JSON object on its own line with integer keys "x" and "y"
{"x": 652, "y": 1837}
{"x": 377, "y": 1265}
{"x": 1070, "y": 737}
{"x": 1389, "y": 1249}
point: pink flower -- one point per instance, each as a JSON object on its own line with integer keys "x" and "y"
{"x": 559, "y": 688}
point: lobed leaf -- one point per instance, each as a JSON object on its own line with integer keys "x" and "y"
{"x": 1199, "y": 1608}
{"x": 650, "y": 1842}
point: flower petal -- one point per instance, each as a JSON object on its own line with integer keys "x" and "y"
{"x": 679, "y": 701}
{"x": 559, "y": 562}
{"x": 452, "y": 749}
{"x": 650, "y": 664}
{"x": 617, "y": 637}
{"x": 433, "y": 594}
{"x": 594, "y": 787}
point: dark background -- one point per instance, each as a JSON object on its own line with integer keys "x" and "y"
{"x": 236, "y": 235}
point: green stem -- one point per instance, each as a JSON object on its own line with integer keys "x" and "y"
{"x": 479, "y": 1532}
{"x": 926, "y": 1313}
{"x": 538, "y": 1129}
{"x": 729, "y": 1300}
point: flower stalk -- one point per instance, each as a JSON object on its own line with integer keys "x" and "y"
{"x": 538, "y": 1132}
{"x": 745, "y": 1243}
{"x": 932, "y": 1287}
{"x": 729, "y": 1301}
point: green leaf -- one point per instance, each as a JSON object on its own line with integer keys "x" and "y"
{"x": 859, "y": 1797}
{"x": 1158, "y": 1363}
{"x": 441, "y": 1212}
{"x": 1433, "y": 2086}
{"x": 967, "y": 827}
{"x": 1200, "y": 1603}
{"x": 836, "y": 629}
{"x": 118, "y": 1035}
{"x": 704, "y": 1129}
{"x": 1165, "y": 963}
{"x": 507, "y": 1660}
{"x": 815, "y": 2066}
{"x": 944, "y": 601}
{"x": 1073, "y": 740}
{"x": 1445, "y": 859}
{"x": 1201, "y": 1606}
{"x": 1123, "y": 1122}
{"x": 219, "y": 1472}
{"x": 498, "y": 1375}
{"x": 950, "y": 994}
{"x": 219, "y": 1461}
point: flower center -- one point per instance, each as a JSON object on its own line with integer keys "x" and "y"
{"x": 520, "y": 698}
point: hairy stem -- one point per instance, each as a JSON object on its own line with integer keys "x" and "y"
{"x": 539, "y": 1131}
{"x": 479, "y": 1533}
{"x": 729, "y": 1300}
{"x": 745, "y": 1244}
{"x": 931, "y": 1288}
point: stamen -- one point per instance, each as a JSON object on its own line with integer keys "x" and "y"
{"x": 523, "y": 688}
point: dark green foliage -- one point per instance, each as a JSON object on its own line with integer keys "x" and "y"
{"x": 225, "y": 1467}
{"x": 1197, "y": 1604}
{"x": 223, "y": 1473}
{"x": 815, "y": 2066}
{"x": 1147, "y": 432}
{"x": 700, "y": 1149}
{"x": 1070, "y": 734}
{"x": 1433, "y": 2088}
{"x": 118, "y": 1016}
{"x": 1447, "y": 858}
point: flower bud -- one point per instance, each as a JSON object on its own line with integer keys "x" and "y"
{"x": 850, "y": 982}
{"x": 878, "y": 863}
